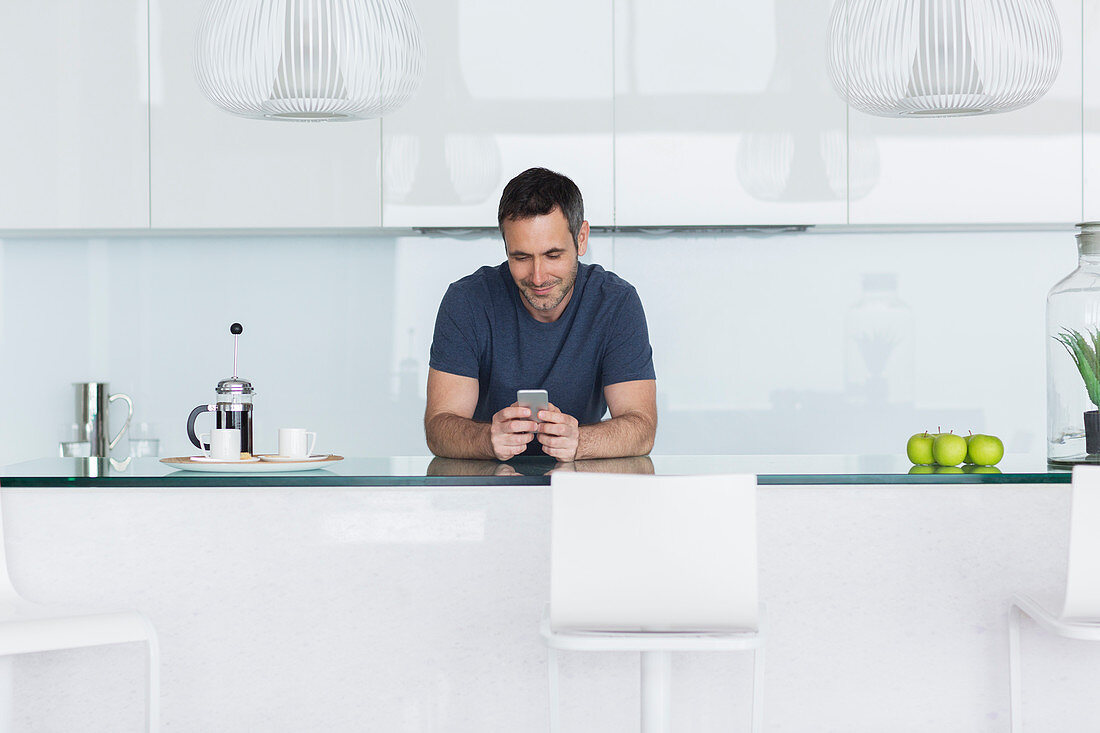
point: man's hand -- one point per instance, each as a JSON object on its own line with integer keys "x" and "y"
{"x": 511, "y": 431}
{"x": 559, "y": 434}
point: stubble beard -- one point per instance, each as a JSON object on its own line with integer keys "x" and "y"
{"x": 554, "y": 299}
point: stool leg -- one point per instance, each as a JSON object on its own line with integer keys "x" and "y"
{"x": 1015, "y": 705}
{"x": 656, "y": 678}
{"x": 6, "y": 696}
{"x": 757, "y": 689}
{"x": 552, "y": 660}
{"x": 152, "y": 703}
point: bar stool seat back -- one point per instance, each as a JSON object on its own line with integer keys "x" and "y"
{"x": 654, "y": 564}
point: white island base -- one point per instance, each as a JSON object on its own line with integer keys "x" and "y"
{"x": 417, "y": 609}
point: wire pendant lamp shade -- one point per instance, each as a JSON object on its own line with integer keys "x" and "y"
{"x": 308, "y": 60}
{"x": 943, "y": 58}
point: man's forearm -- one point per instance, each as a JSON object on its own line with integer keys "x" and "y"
{"x": 630, "y": 434}
{"x": 452, "y": 436}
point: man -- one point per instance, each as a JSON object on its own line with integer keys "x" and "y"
{"x": 541, "y": 320}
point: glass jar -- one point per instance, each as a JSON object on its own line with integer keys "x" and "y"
{"x": 1073, "y": 307}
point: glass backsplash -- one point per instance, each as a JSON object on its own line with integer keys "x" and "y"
{"x": 833, "y": 343}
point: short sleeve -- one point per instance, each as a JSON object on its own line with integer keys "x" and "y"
{"x": 454, "y": 344}
{"x": 628, "y": 355}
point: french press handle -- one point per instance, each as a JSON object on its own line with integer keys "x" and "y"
{"x": 191, "y": 425}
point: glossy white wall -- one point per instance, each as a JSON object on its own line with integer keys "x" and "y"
{"x": 1022, "y": 166}
{"x": 74, "y": 135}
{"x": 508, "y": 86}
{"x": 212, "y": 169}
{"x": 757, "y": 343}
{"x": 724, "y": 115}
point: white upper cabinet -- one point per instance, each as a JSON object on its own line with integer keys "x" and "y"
{"x": 724, "y": 114}
{"x": 508, "y": 85}
{"x": 1091, "y": 58}
{"x": 697, "y": 112}
{"x": 74, "y": 134}
{"x": 1015, "y": 167}
{"x": 212, "y": 169}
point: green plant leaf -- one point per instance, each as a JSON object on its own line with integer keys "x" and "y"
{"x": 1095, "y": 335}
{"x": 1084, "y": 354}
{"x": 1086, "y": 345}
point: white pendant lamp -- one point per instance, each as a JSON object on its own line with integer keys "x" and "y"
{"x": 943, "y": 58}
{"x": 308, "y": 60}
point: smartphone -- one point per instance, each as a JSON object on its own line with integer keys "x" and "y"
{"x": 536, "y": 399}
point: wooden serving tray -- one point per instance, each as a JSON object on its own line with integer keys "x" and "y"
{"x": 186, "y": 464}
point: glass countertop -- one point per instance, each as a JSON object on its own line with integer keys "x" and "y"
{"x": 772, "y": 470}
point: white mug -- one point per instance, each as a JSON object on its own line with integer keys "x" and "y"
{"x": 225, "y": 444}
{"x": 293, "y": 443}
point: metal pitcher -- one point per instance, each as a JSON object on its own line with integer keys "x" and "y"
{"x": 93, "y": 400}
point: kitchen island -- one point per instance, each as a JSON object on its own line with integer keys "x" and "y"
{"x": 404, "y": 594}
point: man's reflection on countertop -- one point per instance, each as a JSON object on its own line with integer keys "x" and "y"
{"x": 537, "y": 466}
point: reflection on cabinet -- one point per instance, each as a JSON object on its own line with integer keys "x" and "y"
{"x": 724, "y": 115}
{"x": 212, "y": 169}
{"x": 508, "y": 85}
{"x": 1016, "y": 167}
{"x": 74, "y": 145}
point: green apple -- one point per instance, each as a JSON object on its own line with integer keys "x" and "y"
{"x": 967, "y": 438}
{"x": 949, "y": 469}
{"x": 948, "y": 449}
{"x": 919, "y": 449}
{"x": 985, "y": 450}
{"x": 917, "y": 470}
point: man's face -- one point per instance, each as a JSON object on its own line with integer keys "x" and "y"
{"x": 543, "y": 261}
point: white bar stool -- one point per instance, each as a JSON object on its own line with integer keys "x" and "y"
{"x": 27, "y": 627}
{"x": 1080, "y": 616}
{"x": 654, "y": 564}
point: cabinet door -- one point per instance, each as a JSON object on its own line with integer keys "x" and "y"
{"x": 724, "y": 114}
{"x": 213, "y": 169}
{"x": 508, "y": 85}
{"x": 1014, "y": 167}
{"x": 1091, "y": 86}
{"x": 74, "y": 136}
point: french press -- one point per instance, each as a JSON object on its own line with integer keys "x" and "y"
{"x": 234, "y": 406}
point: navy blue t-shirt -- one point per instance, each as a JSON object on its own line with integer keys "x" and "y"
{"x": 484, "y": 331}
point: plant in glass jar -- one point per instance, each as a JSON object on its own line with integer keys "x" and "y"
{"x": 1085, "y": 352}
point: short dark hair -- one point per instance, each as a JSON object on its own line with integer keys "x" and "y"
{"x": 537, "y": 192}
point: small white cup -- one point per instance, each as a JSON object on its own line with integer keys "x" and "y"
{"x": 225, "y": 444}
{"x": 293, "y": 443}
